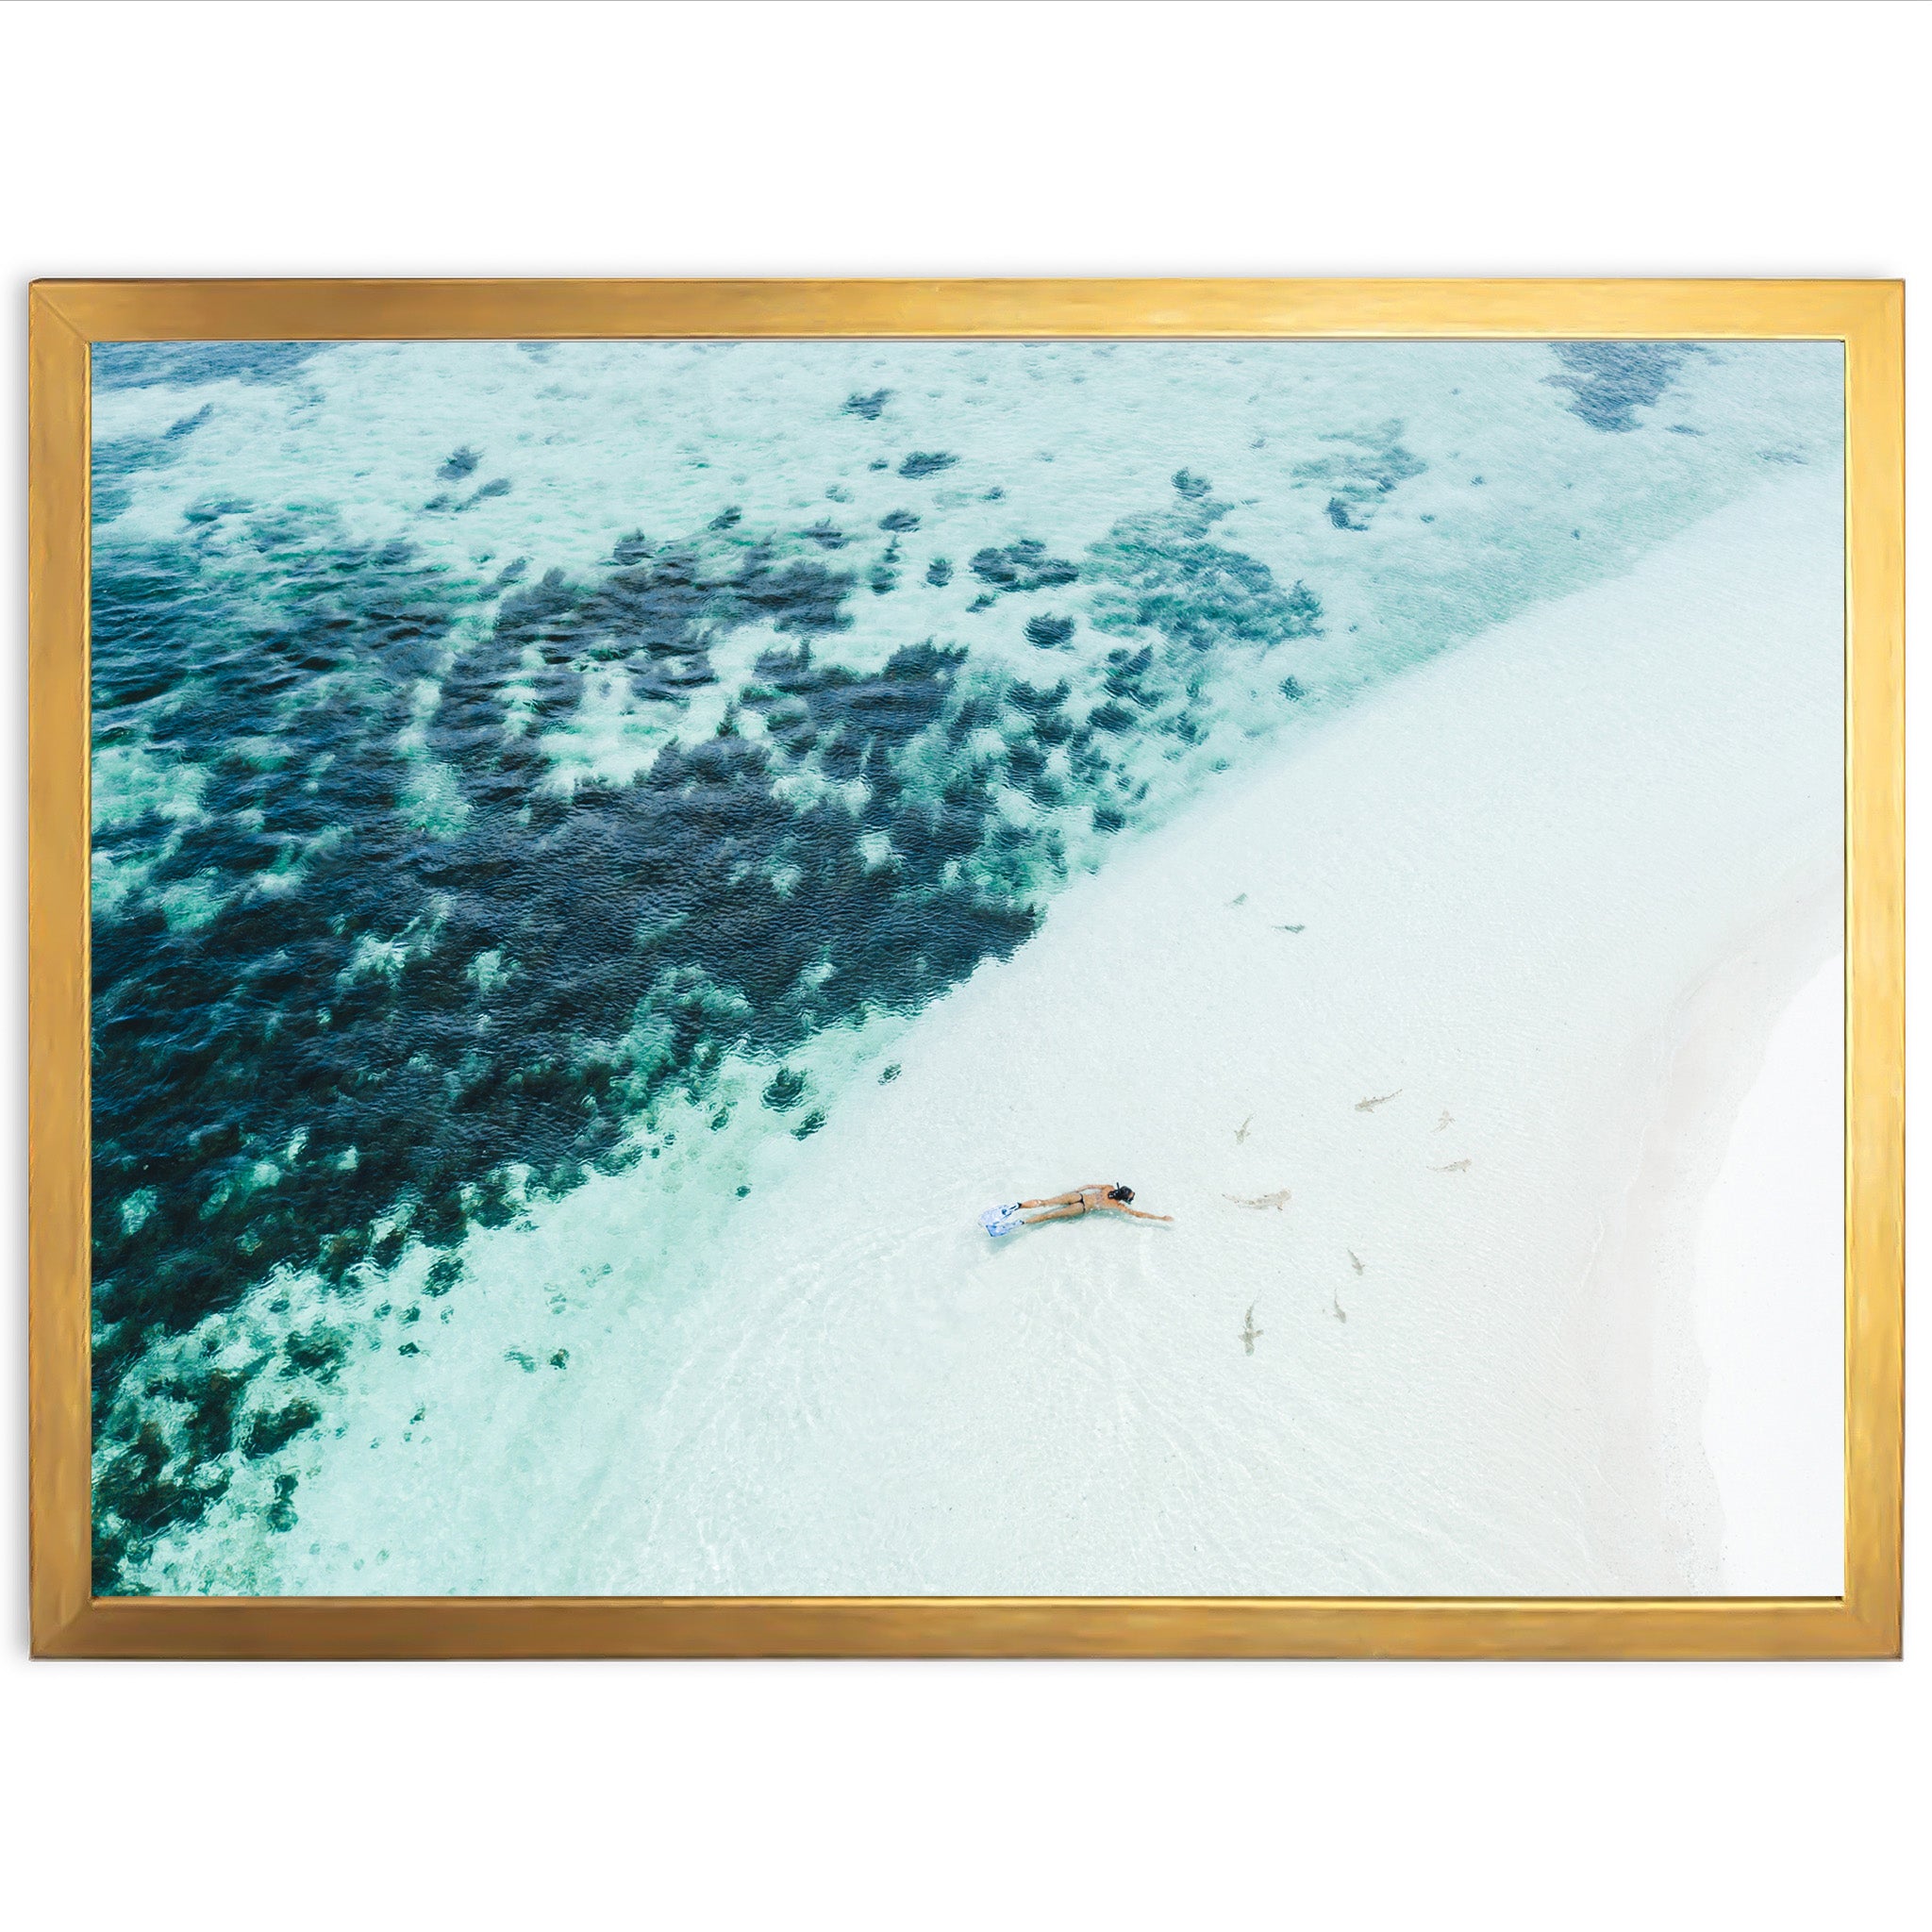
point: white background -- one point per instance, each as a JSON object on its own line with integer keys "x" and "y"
{"x": 458, "y": 139}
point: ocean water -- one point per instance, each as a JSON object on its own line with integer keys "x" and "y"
{"x": 533, "y": 785}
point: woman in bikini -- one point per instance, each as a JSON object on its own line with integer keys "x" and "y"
{"x": 1097, "y": 1197}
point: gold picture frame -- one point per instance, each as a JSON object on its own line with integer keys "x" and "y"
{"x": 66, "y": 317}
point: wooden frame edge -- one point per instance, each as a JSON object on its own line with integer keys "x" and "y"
{"x": 65, "y": 317}
{"x": 242, "y": 310}
{"x": 57, "y": 947}
{"x": 1875, "y": 960}
{"x": 452, "y": 1627}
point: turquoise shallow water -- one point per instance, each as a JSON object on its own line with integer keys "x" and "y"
{"x": 520, "y": 766}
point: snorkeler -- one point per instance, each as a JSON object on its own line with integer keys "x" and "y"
{"x": 1097, "y": 1197}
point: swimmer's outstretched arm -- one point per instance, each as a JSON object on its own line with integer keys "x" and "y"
{"x": 1119, "y": 1208}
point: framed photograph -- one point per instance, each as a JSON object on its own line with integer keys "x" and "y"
{"x": 1037, "y": 968}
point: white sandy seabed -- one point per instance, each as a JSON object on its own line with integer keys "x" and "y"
{"x": 1554, "y": 891}
{"x": 1549, "y": 895}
